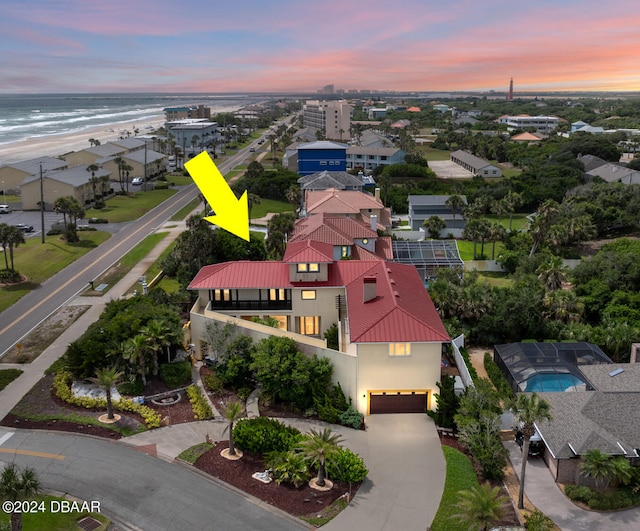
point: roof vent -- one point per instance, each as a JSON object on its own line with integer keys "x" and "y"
{"x": 616, "y": 372}
{"x": 396, "y": 294}
{"x": 369, "y": 291}
{"x": 392, "y": 281}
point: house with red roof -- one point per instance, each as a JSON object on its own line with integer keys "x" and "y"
{"x": 348, "y": 203}
{"x": 350, "y": 238}
{"x": 390, "y": 335}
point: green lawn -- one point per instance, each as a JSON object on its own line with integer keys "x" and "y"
{"x": 7, "y": 376}
{"x": 57, "y": 520}
{"x": 269, "y": 205}
{"x": 495, "y": 278}
{"x": 435, "y": 154}
{"x": 179, "y": 179}
{"x": 129, "y": 207}
{"x": 38, "y": 261}
{"x": 466, "y": 249}
{"x": 185, "y": 210}
{"x": 460, "y": 476}
{"x": 518, "y": 221}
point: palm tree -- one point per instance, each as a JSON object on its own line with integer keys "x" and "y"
{"x": 158, "y": 337}
{"x": 16, "y": 485}
{"x": 232, "y": 412}
{"x": 93, "y": 168}
{"x": 318, "y": 448}
{"x": 455, "y": 203}
{"x": 135, "y": 351}
{"x": 481, "y": 506}
{"x": 512, "y": 201}
{"x": 12, "y": 237}
{"x": 544, "y": 218}
{"x": 253, "y": 200}
{"x": 106, "y": 378}
{"x": 4, "y": 238}
{"x": 497, "y": 233}
{"x": 599, "y": 466}
{"x": 433, "y": 225}
{"x": 552, "y": 273}
{"x": 527, "y": 410}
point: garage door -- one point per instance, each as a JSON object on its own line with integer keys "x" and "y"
{"x": 406, "y": 402}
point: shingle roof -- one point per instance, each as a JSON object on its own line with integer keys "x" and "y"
{"x": 32, "y": 166}
{"x": 322, "y": 144}
{"x": 75, "y": 176}
{"x": 329, "y": 179}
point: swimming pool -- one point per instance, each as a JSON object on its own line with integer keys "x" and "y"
{"x": 553, "y": 382}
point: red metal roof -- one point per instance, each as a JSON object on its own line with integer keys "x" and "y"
{"x": 402, "y": 310}
{"x": 308, "y": 251}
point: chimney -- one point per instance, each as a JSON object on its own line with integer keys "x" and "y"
{"x": 377, "y": 194}
{"x": 368, "y": 289}
{"x": 374, "y": 222}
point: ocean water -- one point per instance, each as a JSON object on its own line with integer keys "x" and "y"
{"x": 41, "y": 115}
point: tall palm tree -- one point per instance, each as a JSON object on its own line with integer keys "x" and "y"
{"x": 135, "y": 351}
{"x": 12, "y": 237}
{"x": 455, "y": 203}
{"x": 16, "y": 485}
{"x": 512, "y": 201}
{"x": 433, "y": 225}
{"x": 158, "y": 337}
{"x": 481, "y": 506}
{"x": 539, "y": 228}
{"x": 106, "y": 378}
{"x": 527, "y": 410}
{"x": 252, "y": 200}
{"x": 319, "y": 447}
{"x": 4, "y": 238}
{"x": 93, "y": 168}
{"x": 232, "y": 412}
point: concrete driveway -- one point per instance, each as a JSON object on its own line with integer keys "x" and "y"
{"x": 446, "y": 169}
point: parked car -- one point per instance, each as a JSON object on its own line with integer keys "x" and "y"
{"x": 24, "y": 227}
{"x": 536, "y": 446}
{"x": 137, "y": 181}
{"x": 5, "y": 209}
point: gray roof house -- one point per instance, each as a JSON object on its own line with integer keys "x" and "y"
{"x": 615, "y": 173}
{"x": 591, "y": 162}
{"x": 475, "y": 165}
{"x": 606, "y": 418}
{"x": 370, "y": 157}
{"x": 422, "y": 207}
{"x": 324, "y": 180}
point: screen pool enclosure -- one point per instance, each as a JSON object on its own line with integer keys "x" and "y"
{"x": 547, "y": 367}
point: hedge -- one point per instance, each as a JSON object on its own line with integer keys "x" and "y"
{"x": 199, "y": 404}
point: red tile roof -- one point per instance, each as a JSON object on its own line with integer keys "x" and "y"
{"x": 334, "y": 201}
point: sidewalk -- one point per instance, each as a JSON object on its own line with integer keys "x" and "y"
{"x": 34, "y": 371}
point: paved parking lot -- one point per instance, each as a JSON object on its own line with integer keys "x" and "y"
{"x": 32, "y": 217}
{"x": 446, "y": 169}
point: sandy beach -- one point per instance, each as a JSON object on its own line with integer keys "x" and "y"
{"x": 56, "y": 145}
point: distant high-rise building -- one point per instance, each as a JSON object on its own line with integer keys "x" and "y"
{"x": 510, "y": 96}
{"x": 327, "y": 89}
{"x": 331, "y": 117}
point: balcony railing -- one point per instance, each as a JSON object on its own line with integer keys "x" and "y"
{"x": 250, "y": 305}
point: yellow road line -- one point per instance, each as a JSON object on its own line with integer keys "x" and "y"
{"x": 29, "y": 452}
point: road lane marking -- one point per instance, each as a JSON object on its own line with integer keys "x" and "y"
{"x": 79, "y": 274}
{"x": 29, "y": 452}
{"x": 6, "y": 437}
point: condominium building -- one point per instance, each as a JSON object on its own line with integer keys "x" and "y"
{"x": 331, "y": 117}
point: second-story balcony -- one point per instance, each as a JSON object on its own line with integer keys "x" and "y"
{"x": 250, "y": 305}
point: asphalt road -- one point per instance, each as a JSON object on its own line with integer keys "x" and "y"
{"x": 133, "y": 488}
{"x": 35, "y": 307}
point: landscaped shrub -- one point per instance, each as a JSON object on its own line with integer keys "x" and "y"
{"x": 538, "y": 521}
{"x": 61, "y": 386}
{"x": 346, "y": 466}
{"x": 467, "y": 361}
{"x": 263, "y": 435}
{"x": 131, "y": 387}
{"x": 199, "y": 404}
{"x": 288, "y": 467}
{"x": 212, "y": 382}
{"x": 497, "y": 377}
{"x": 176, "y": 374}
{"x": 611, "y": 502}
{"x": 97, "y": 220}
{"x": 579, "y": 493}
{"x": 351, "y": 418}
{"x": 326, "y": 411}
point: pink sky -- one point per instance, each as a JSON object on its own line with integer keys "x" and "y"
{"x": 286, "y": 45}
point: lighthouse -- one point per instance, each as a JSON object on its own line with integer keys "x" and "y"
{"x": 510, "y": 96}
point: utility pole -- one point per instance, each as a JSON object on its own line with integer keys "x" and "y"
{"x": 41, "y": 203}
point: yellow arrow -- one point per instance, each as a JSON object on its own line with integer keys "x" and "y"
{"x": 232, "y": 214}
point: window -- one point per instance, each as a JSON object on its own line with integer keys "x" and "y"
{"x": 307, "y": 268}
{"x": 310, "y": 325}
{"x": 365, "y": 241}
{"x": 308, "y": 294}
{"x": 399, "y": 349}
{"x": 323, "y": 163}
{"x": 282, "y": 321}
{"x": 276, "y": 294}
{"x": 344, "y": 251}
{"x": 222, "y": 295}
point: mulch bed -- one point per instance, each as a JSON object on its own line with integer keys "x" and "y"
{"x": 304, "y": 501}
